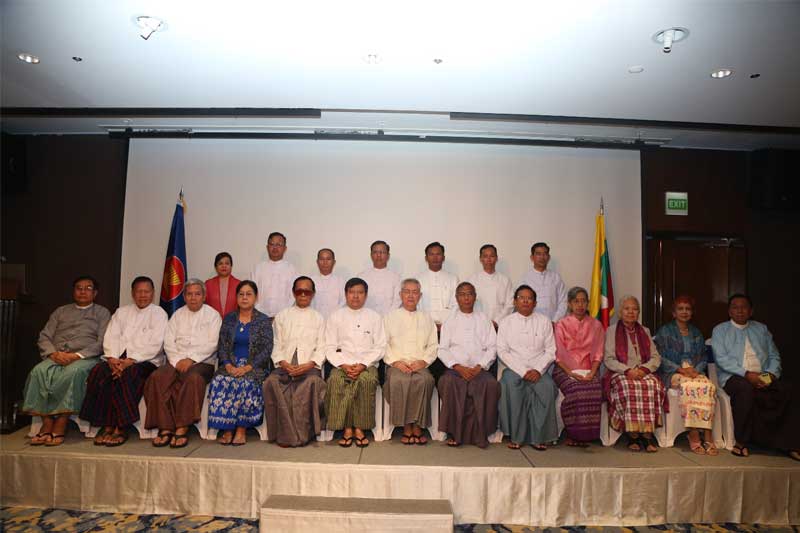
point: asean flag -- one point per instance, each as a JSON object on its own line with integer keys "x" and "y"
{"x": 175, "y": 264}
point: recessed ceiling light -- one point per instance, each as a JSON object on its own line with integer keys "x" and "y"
{"x": 721, "y": 73}
{"x": 77, "y": 59}
{"x": 438, "y": 61}
{"x": 636, "y": 69}
{"x": 28, "y": 58}
{"x": 372, "y": 59}
{"x": 149, "y": 25}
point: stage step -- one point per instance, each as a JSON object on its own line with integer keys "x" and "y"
{"x": 311, "y": 513}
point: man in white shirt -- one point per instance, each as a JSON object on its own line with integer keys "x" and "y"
{"x": 294, "y": 393}
{"x": 174, "y": 393}
{"x": 550, "y": 289}
{"x": 274, "y": 277}
{"x": 527, "y": 346}
{"x": 438, "y": 286}
{"x": 354, "y": 343}
{"x": 495, "y": 297}
{"x": 411, "y": 347}
{"x": 329, "y": 295}
{"x": 469, "y": 393}
{"x": 384, "y": 285}
{"x": 132, "y": 350}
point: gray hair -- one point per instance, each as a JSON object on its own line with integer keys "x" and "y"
{"x": 575, "y": 291}
{"x": 195, "y": 281}
{"x": 629, "y": 297}
{"x": 412, "y": 280}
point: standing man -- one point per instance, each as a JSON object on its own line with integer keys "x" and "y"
{"x": 384, "y": 285}
{"x": 132, "y": 350}
{"x": 550, "y": 290}
{"x": 438, "y": 286}
{"x": 174, "y": 393}
{"x": 354, "y": 343}
{"x": 274, "y": 277}
{"x": 495, "y": 297}
{"x": 411, "y": 348}
{"x": 69, "y": 345}
{"x": 329, "y": 287}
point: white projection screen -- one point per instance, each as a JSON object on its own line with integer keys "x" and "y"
{"x": 346, "y": 194}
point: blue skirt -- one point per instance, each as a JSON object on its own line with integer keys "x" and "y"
{"x": 235, "y": 402}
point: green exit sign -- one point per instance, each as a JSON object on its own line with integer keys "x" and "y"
{"x": 677, "y": 203}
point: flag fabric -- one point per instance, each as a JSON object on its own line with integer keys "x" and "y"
{"x": 175, "y": 265}
{"x": 601, "y": 297}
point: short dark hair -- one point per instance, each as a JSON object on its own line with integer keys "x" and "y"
{"x": 539, "y": 245}
{"x": 352, "y": 282}
{"x": 277, "y": 234}
{"x": 304, "y": 278}
{"x": 487, "y": 247}
{"x": 247, "y": 282}
{"x": 740, "y": 295}
{"x": 142, "y": 279}
{"x": 386, "y": 244}
{"x": 333, "y": 255}
{"x": 87, "y": 278}
{"x": 434, "y": 244}
{"x": 220, "y": 256}
{"x": 465, "y": 284}
{"x": 524, "y": 288}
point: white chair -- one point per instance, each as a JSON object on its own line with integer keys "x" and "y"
{"x": 724, "y": 412}
{"x": 674, "y": 423}
{"x": 387, "y": 428}
{"x": 608, "y": 435}
{"x": 83, "y": 426}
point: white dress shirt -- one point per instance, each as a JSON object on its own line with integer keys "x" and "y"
{"x": 354, "y": 336}
{"x": 330, "y": 293}
{"x": 410, "y": 336}
{"x": 383, "y": 294}
{"x": 750, "y": 363}
{"x": 302, "y": 330}
{"x": 468, "y": 339}
{"x": 526, "y": 343}
{"x": 274, "y": 280}
{"x": 438, "y": 294}
{"x": 551, "y": 293}
{"x": 495, "y": 297}
{"x": 137, "y": 332}
{"x": 193, "y": 335}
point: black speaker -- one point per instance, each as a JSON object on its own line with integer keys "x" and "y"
{"x": 774, "y": 177}
{"x": 15, "y": 176}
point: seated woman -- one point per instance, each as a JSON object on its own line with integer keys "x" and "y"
{"x": 236, "y": 401}
{"x": 579, "y": 353}
{"x": 683, "y": 363}
{"x": 221, "y": 289}
{"x": 635, "y": 395}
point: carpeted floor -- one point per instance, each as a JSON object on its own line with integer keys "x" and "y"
{"x": 26, "y": 519}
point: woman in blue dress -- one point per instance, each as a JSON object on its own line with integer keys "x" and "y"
{"x": 236, "y": 400}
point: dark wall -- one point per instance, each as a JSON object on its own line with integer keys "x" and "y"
{"x": 719, "y": 205}
{"x": 63, "y": 218}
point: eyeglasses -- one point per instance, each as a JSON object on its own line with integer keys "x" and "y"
{"x": 86, "y": 288}
{"x": 303, "y": 292}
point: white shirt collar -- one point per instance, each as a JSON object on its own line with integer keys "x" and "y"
{"x": 84, "y": 307}
{"x": 740, "y": 326}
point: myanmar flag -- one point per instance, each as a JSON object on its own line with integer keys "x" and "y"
{"x": 175, "y": 265}
{"x": 601, "y": 298}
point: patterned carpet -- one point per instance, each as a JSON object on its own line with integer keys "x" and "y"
{"x": 27, "y": 519}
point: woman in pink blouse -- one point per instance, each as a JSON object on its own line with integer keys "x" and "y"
{"x": 221, "y": 289}
{"x": 579, "y": 353}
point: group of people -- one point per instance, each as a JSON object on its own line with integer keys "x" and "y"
{"x": 259, "y": 347}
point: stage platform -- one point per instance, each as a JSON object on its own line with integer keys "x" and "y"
{"x": 559, "y": 487}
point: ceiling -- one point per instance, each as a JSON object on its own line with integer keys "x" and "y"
{"x": 560, "y": 69}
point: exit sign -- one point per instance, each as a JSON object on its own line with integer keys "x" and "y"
{"x": 677, "y": 203}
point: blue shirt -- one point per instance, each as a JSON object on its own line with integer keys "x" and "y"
{"x": 728, "y": 343}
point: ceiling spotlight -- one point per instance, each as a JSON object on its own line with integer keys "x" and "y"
{"x": 438, "y": 61}
{"x": 77, "y": 59}
{"x": 721, "y": 73}
{"x": 667, "y": 38}
{"x": 149, "y": 25}
{"x": 372, "y": 59}
{"x": 636, "y": 69}
{"x": 28, "y": 58}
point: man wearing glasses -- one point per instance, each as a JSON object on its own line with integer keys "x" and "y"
{"x": 274, "y": 277}
{"x": 69, "y": 344}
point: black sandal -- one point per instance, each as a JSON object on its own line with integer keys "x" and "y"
{"x": 39, "y": 436}
{"x": 166, "y": 441}
{"x": 175, "y": 438}
{"x": 362, "y": 442}
{"x": 345, "y": 442}
{"x": 647, "y": 442}
{"x": 740, "y": 451}
{"x": 115, "y": 440}
{"x": 409, "y": 439}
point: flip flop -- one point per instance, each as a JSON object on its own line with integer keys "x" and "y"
{"x": 176, "y": 438}
{"x": 420, "y": 440}
{"x": 513, "y": 446}
{"x": 56, "y": 440}
{"x": 166, "y": 441}
{"x": 453, "y": 443}
{"x": 117, "y": 439}
{"x": 740, "y": 451}
{"x": 362, "y": 442}
{"x": 409, "y": 439}
{"x": 698, "y": 447}
{"x": 345, "y": 442}
{"x": 39, "y": 436}
{"x": 794, "y": 454}
{"x": 710, "y": 448}
{"x": 539, "y": 447}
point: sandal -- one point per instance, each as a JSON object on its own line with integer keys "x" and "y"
{"x": 649, "y": 444}
{"x": 634, "y": 444}
{"x": 408, "y": 440}
{"x": 40, "y": 439}
{"x": 420, "y": 440}
{"x": 241, "y": 442}
{"x": 539, "y": 447}
{"x": 453, "y": 443}
{"x": 794, "y": 454}
{"x": 698, "y": 447}
{"x": 346, "y": 442}
{"x": 176, "y": 441}
{"x": 101, "y": 437}
{"x": 55, "y": 440}
{"x": 225, "y": 441}
{"x": 362, "y": 442}
{"x": 710, "y": 448}
{"x": 513, "y": 445}
{"x": 576, "y": 443}
{"x": 163, "y": 439}
{"x": 116, "y": 439}
{"x": 740, "y": 451}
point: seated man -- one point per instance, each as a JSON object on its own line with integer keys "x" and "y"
{"x": 132, "y": 349}
{"x": 174, "y": 393}
{"x": 69, "y": 344}
{"x": 411, "y": 347}
{"x": 765, "y": 407}
{"x": 354, "y": 343}
{"x": 294, "y": 393}
{"x": 469, "y": 393}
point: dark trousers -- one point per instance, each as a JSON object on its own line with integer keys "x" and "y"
{"x": 768, "y": 417}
